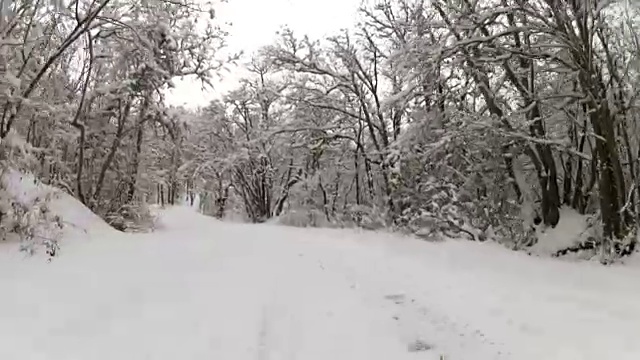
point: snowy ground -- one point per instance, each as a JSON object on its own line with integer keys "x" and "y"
{"x": 201, "y": 289}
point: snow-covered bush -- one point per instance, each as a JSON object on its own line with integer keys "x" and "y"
{"x": 439, "y": 211}
{"x": 132, "y": 218}
{"x": 304, "y": 218}
{"x": 365, "y": 216}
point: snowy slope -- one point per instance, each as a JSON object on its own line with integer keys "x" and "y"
{"x": 202, "y": 289}
{"x": 79, "y": 221}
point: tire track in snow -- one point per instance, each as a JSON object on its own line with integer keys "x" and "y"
{"x": 263, "y": 345}
{"x": 312, "y": 313}
{"x": 440, "y": 332}
{"x": 421, "y": 328}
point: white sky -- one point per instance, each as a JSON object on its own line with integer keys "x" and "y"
{"x": 254, "y": 24}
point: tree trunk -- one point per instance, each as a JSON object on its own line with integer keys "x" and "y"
{"x": 115, "y": 144}
{"x": 610, "y": 183}
{"x": 135, "y": 165}
{"x": 568, "y": 181}
{"x": 579, "y": 201}
{"x": 161, "y": 194}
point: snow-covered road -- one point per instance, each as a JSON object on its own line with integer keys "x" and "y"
{"x": 201, "y": 289}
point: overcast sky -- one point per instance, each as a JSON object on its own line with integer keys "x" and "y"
{"x": 255, "y": 23}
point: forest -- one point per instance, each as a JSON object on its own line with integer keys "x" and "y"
{"x": 479, "y": 119}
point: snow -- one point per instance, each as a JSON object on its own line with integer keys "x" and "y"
{"x": 204, "y": 289}
{"x": 77, "y": 219}
{"x": 570, "y": 231}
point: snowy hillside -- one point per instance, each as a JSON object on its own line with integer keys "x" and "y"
{"x": 204, "y": 289}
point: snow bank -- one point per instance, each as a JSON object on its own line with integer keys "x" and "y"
{"x": 570, "y": 231}
{"x": 78, "y": 220}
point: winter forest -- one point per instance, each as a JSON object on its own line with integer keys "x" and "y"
{"x": 490, "y": 120}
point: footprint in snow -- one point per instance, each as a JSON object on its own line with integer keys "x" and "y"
{"x": 398, "y": 299}
{"x": 419, "y": 345}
